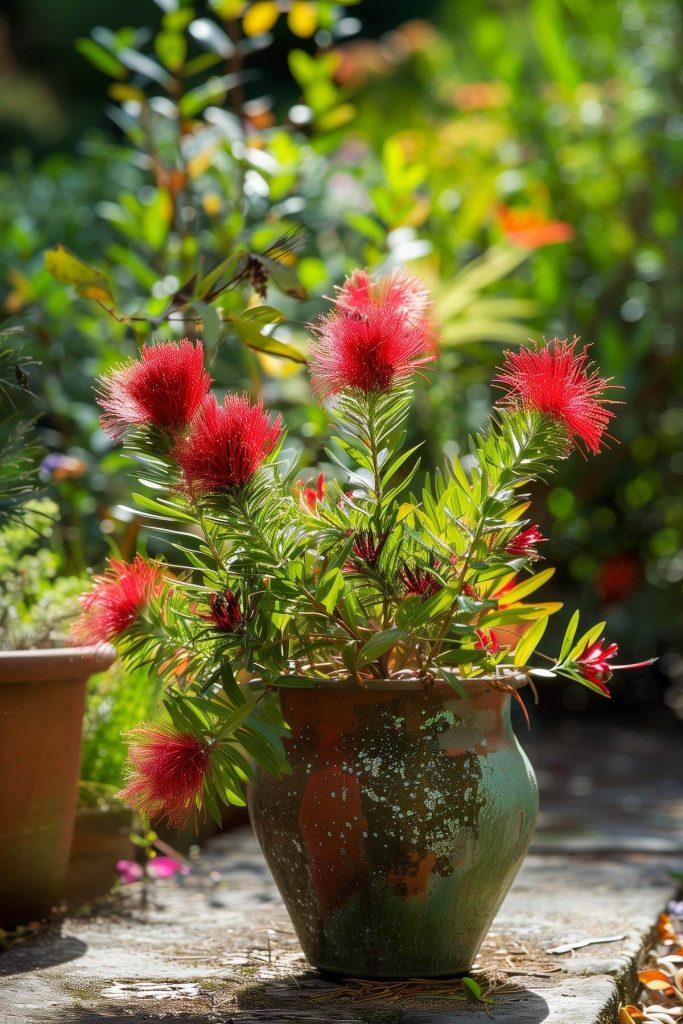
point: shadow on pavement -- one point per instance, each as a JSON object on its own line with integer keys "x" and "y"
{"x": 36, "y": 955}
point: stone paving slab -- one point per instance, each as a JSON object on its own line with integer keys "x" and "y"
{"x": 217, "y": 946}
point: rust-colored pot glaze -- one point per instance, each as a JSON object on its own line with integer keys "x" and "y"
{"x": 401, "y": 828}
{"x": 42, "y": 694}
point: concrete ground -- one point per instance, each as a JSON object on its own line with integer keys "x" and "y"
{"x": 217, "y": 946}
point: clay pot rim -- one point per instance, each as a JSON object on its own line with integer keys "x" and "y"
{"x": 49, "y": 664}
{"x": 479, "y": 685}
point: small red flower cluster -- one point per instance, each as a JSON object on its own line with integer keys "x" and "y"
{"x": 418, "y": 581}
{"x": 166, "y": 773}
{"x": 562, "y": 383}
{"x": 117, "y": 599}
{"x": 309, "y": 497}
{"x": 163, "y": 389}
{"x": 225, "y": 445}
{"x": 594, "y": 664}
{"x": 225, "y": 614}
{"x": 365, "y": 550}
{"x": 377, "y": 336}
{"x": 524, "y": 544}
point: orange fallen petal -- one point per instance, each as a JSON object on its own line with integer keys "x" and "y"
{"x": 656, "y": 981}
{"x": 665, "y": 930}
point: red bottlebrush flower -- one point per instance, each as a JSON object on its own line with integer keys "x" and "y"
{"x": 117, "y": 599}
{"x": 562, "y": 383}
{"x": 376, "y": 338}
{"x": 309, "y": 496}
{"x": 593, "y": 664}
{"x": 226, "y": 444}
{"x": 418, "y": 581}
{"x": 530, "y": 229}
{"x": 524, "y": 544}
{"x": 164, "y": 388}
{"x": 165, "y": 773}
{"x": 225, "y": 614}
{"x": 365, "y": 550}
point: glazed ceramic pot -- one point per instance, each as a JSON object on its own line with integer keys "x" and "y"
{"x": 402, "y": 826}
{"x": 42, "y": 694}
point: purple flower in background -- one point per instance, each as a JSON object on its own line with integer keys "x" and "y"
{"x": 675, "y": 908}
{"x": 129, "y": 871}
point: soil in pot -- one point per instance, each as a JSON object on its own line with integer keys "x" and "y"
{"x": 401, "y": 828}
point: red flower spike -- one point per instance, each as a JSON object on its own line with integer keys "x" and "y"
{"x": 165, "y": 773}
{"x": 117, "y": 599}
{"x": 226, "y": 444}
{"x": 226, "y": 614}
{"x": 377, "y": 337}
{"x": 593, "y": 664}
{"x": 164, "y": 388}
{"x": 524, "y": 544}
{"x": 530, "y": 229}
{"x": 308, "y": 496}
{"x": 418, "y": 581}
{"x": 562, "y": 383}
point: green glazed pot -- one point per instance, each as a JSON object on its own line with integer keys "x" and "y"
{"x": 402, "y": 826}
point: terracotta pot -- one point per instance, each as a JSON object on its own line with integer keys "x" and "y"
{"x": 402, "y": 826}
{"x": 42, "y": 694}
{"x": 101, "y": 838}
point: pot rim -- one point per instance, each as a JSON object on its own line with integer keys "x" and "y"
{"x": 51, "y": 664}
{"x": 478, "y": 685}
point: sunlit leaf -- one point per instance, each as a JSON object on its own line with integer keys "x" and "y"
{"x": 68, "y": 268}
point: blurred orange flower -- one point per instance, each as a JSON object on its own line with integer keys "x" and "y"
{"x": 531, "y": 229}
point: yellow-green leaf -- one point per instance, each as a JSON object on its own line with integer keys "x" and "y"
{"x": 71, "y": 269}
{"x": 527, "y": 587}
{"x": 529, "y": 642}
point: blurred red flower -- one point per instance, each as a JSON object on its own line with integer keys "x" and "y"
{"x": 165, "y": 772}
{"x": 226, "y": 444}
{"x": 561, "y": 382}
{"x": 376, "y": 337}
{"x": 164, "y": 388}
{"x": 530, "y": 229}
{"x": 116, "y": 600}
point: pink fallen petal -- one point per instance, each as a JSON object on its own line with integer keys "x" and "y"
{"x": 166, "y": 867}
{"x": 129, "y": 871}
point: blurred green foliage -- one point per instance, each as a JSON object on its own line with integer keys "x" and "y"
{"x": 408, "y": 148}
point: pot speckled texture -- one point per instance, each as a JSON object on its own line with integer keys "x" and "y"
{"x": 401, "y": 828}
{"x": 42, "y": 695}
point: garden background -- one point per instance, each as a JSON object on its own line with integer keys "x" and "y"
{"x": 523, "y": 157}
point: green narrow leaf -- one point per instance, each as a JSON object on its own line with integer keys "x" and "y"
{"x": 529, "y": 642}
{"x": 569, "y": 635}
{"x": 378, "y": 645}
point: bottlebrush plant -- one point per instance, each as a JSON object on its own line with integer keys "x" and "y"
{"x": 284, "y": 583}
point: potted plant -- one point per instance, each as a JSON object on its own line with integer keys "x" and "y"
{"x": 42, "y": 693}
{"x": 348, "y": 650}
{"x": 42, "y": 678}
